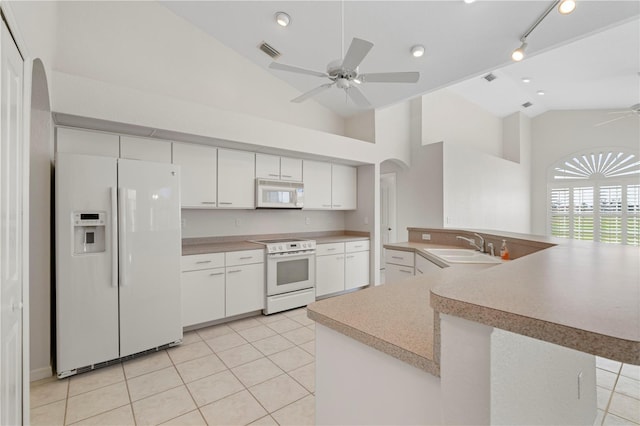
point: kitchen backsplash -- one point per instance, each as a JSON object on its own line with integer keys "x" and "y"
{"x": 218, "y": 223}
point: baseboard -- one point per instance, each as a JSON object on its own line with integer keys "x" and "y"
{"x": 41, "y": 373}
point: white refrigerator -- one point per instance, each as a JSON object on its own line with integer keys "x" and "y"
{"x": 118, "y": 250}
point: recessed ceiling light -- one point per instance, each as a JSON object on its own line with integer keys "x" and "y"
{"x": 469, "y": 1}
{"x": 540, "y": 92}
{"x": 283, "y": 19}
{"x": 417, "y": 50}
{"x": 526, "y": 80}
{"x": 566, "y": 6}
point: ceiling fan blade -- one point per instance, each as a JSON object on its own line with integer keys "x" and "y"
{"x": 611, "y": 121}
{"x": 390, "y": 77}
{"x": 311, "y": 93}
{"x": 357, "y": 97}
{"x": 291, "y": 68}
{"x": 356, "y": 53}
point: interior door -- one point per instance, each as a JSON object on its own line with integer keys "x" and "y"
{"x": 150, "y": 248}
{"x": 387, "y": 210}
{"x": 11, "y": 230}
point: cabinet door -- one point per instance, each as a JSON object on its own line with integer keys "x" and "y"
{"x": 84, "y": 142}
{"x": 400, "y": 257}
{"x": 203, "y": 296}
{"x": 198, "y": 181}
{"x": 236, "y": 179}
{"x": 424, "y": 266}
{"x": 245, "y": 289}
{"x": 267, "y": 166}
{"x": 291, "y": 169}
{"x": 329, "y": 274}
{"x": 356, "y": 270}
{"x": 145, "y": 149}
{"x": 394, "y": 273}
{"x": 343, "y": 187}
{"x": 317, "y": 185}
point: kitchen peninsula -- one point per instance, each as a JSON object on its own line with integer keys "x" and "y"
{"x": 512, "y": 343}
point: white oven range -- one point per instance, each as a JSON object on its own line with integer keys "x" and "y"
{"x": 290, "y": 273}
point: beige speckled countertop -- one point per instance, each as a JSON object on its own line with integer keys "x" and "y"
{"x": 204, "y": 245}
{"x": 585, "y": 296}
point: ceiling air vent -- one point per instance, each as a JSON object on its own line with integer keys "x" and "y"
{"x": 490, "y": 77}
{"x": 527, "y": 104}
{"x": 269, "y": 50}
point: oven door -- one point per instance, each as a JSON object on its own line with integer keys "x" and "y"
{"x": 288, "y": 272}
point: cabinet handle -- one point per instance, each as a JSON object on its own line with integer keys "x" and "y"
{"x": 397, "y": 257}
{"x": 350, "y": 257}
{"x": 216, "y": 273}
{"x": 419, "y": 271}
{"x": 225, "y": 203}
{"x": 234, "y": 271}
{"x": 208, "y": 202}
{"x": 286, "y": 176}
{"x": 337, "y": 205}
{"x": 274, "y": 175}
{"x": 246, "y": 257}
{"x": 357, "y": 246}
{"x": 203, "y": 261}
{"x": 330, "y": 249}
{"x": 405, "y": 271}
{"x": 326, "y": 205}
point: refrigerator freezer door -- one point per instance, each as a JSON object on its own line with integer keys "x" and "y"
{"x": 86, "y": 300}
{"x": 150, "y": 248}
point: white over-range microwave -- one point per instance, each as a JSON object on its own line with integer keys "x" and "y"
{"x": 279, "y": 194}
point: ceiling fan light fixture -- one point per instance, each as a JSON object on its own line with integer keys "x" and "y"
{"x": 518, "y": 54}
{"x": 417, "y": 51}
{"x": 566, "y": 7}
{"x": 283, "y": 19}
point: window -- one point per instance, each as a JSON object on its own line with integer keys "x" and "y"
{"x": 596, "y": 197}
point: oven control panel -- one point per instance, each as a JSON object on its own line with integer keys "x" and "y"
{"x": 291, "y": 246}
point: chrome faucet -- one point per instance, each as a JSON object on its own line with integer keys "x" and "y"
{"x": 491, "y": 249}
{"x": 472, "y": 242}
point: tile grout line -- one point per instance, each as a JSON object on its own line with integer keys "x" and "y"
{"x": 606, "y": 410}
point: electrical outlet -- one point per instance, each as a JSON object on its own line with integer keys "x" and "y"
{"x": 237, "y": 221}
{"x": 307, "y": 220}
{"x": 426, "y": 237}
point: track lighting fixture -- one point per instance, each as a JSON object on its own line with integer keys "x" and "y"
{"x": 518, "y": 54}
{"x": 564, "y": 7}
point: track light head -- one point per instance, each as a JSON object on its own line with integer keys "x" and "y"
{"x": 518, "y": 54}
{"x": 566, "y": 6}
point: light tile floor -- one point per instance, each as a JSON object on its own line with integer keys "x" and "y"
{"x": 258, "y": 370}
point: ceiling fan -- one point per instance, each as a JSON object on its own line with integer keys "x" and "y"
{"x": 633, "y": 110}
{"x": 345, "y": 75}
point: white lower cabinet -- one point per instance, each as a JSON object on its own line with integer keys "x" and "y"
{"x": 219, "y": 285}
{"x": 399, "y": 265}
{"x": 341, "y": 266}
{"x": 424, "y": 266}
{"x": 245, "y": 288}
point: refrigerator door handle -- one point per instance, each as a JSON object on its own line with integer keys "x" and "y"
{"x": 114, "y": 237}
{"x": 122, "y": 222}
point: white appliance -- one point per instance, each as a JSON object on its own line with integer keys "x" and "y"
{"x": 117, "y": 259}
{"x": 291, "y": 273}
{"x": 279, "y": 194}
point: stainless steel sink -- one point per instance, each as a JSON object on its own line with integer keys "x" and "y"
{"x": 462, "y": 256}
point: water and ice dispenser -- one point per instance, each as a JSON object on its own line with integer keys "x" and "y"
{"x": 89, "y": 232}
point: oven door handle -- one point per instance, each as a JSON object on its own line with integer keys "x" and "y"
{"x": 290, "y": 255}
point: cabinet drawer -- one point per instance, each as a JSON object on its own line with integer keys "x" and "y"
{"x": 244, "y": 257}
{"x": 424, "y": 265}
{"x": 333, "y": 248}
{"x": 399, "y": 257}
{"x": 197, "y": 262}
{"x": 396, "y": 273}
{"x": 352, "y": 246}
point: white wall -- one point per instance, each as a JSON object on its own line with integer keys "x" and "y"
{"x": 449, "y": 118}
{"x": 556, "y": 134}
{"x": 217, "y": 223}
{"x": 361, "y": 126}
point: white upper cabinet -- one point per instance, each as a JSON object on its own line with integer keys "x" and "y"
{"x": 267, "y": 166}
{"x": 344, "y": 187}
{"x": 291, "y": 169}
{"x": 145, "y": 149}
{"x": 317, "y": 185}
{"x": 85, "y": 142}
{"x": 198, "y": 180}
{"x": 236, "y": 179}
{"x": 274, "y": 167}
